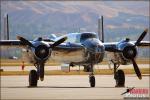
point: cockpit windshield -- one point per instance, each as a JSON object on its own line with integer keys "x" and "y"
{"x": 78, "y": 37}
{"x": 88, "y": 35}
{"x": 73, "y": 37}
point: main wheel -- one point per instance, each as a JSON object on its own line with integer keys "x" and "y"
{"x": 92, "y": 81}
{"x": 33, "y": 78}
{"x": 120, "y": 78}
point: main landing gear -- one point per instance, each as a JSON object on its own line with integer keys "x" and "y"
{"x": 40, "y": 71}
{"x": 92, "y": 77}
{"x": 35, "y": 75}
{"x": 119, "y": 76}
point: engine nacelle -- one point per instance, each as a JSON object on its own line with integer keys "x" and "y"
{"x": 41, "y": 50}
{"x": 128, "y": 50}
{"x": 125, "y": 52}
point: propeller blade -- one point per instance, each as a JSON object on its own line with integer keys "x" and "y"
{"x": 24, "y": 41}
{"x": 137, "y": 71}
{"x": 58, "y": 42}
{"x": 141, "y": 37}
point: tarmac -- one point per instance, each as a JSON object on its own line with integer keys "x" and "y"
{"x": 69, "y": 87}
{"x": 28, "y": 68}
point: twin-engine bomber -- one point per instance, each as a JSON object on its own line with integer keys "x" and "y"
{"x": 86, "y": 49}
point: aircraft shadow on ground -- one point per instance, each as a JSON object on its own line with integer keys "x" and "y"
{"x": 55, "y": 87}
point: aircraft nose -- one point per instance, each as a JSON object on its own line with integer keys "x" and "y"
{"x": 98, "y": 49}
{"x": 94, "y": 46}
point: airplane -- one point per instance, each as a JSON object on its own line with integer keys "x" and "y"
{"x": 86, "y": 49}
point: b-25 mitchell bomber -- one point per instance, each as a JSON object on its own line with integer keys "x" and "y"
{"x": 86, "y": 49}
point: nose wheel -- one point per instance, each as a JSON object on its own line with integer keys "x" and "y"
{"x": 92, "y": 80}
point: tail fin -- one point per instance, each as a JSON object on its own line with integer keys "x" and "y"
{"x": 6, "y": 27}
{"x": 101, "y": 29}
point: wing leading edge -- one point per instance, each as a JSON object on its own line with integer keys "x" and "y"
{"x": 111, "y": 46}
{"x": 11, "y": 43}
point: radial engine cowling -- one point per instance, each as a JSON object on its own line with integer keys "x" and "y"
{"x": 129, "y": 51}
{"x": 42, "y": 52}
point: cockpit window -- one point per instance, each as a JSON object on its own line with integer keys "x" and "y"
{"x": 78, "y": 37}
{"x": 87, "y": 35}
{"x": 73, "y": 38}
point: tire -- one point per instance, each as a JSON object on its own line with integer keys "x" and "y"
{"x": 92, "y": 81}
{"x": 33, "y": 78}
{"x": 120, "y": 78}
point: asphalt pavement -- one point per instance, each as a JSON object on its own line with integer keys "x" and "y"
{"x": 69, "y": 87}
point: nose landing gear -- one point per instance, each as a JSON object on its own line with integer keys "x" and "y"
{"x": 92, "y": 77}
{"x": 92, "y": 80}
{"x": 40, "y": 70}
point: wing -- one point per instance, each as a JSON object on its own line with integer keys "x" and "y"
{"x": 110, "y": 46}
{"x": 142, "y": 43}
{"x": 12, "y": 43}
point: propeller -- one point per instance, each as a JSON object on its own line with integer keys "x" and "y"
{"x": 41, "y": 51}
{"x": 130, "y": 53}
{"x": 136, "y": 68}
{"x": 25, "y": 41}
{"x": 141, "y": 37}
{"x": 112, "y": 49}
{"x": 58, "y": 42}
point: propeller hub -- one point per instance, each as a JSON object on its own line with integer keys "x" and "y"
{"x": 129, "y": 52}
{"x": 42, "y": 52}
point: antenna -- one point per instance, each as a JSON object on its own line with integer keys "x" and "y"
{"x": 6, "y": 34}
{"x": 101, "y": 29}
{"x": 6, "y": 27}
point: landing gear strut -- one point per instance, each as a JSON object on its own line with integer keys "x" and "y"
{"x": 119, "y": 76}
{"x": 40, "y": 70}
{"x": 92, "y": 77}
